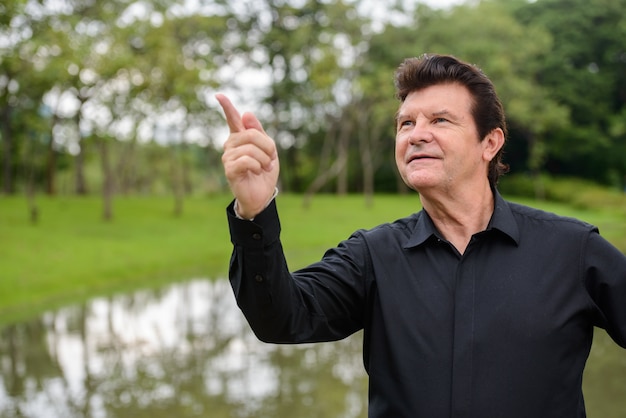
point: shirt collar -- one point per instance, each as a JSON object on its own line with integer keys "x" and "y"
{"x": 502, "y": 220}
{"x": 423, "y": 230}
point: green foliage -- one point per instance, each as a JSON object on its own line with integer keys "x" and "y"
{"x": 586, "y": 72}
{"x": 318, "y": 74}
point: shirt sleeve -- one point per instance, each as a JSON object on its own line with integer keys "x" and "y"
{"x": 604, "y": 267}
{"x": 323, "y": 302}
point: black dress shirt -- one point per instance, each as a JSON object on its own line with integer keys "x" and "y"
{"x": 503, "y": 330}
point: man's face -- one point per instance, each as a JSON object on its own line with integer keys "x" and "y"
{"x": 437, "y": 144}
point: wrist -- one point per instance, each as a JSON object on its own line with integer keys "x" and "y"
{"x": 245, "y": 216}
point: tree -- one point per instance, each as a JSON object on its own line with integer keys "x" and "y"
{"x": 173, "y": 63}
{"x": 585, "y": 71}
{"x": 111, "y": 76}
{"x": 22, "y": 84}
{"x": 127, "y": 66}
{"x": 308, "y": 51}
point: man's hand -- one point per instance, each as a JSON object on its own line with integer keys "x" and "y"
{"x": 250, "y": 161}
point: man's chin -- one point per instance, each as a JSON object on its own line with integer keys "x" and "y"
{"x": 421, "y": 183}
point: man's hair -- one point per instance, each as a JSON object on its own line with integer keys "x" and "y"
{"x": 428, "y": 70}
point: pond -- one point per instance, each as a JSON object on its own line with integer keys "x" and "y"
{"x": 181, "y": 351}
{"x": 186, "y": 351}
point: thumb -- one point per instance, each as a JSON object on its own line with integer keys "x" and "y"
{"x": 251, "y": 122}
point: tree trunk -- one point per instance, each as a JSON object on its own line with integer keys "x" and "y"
{"x": 343, "y": 153}
{"x": 81, "y": 183}
{"x": 33, "y": 209}
{"x": 187, "y": 183}
{"x": 79, "y": 166}
{"x": 7, "y": 152}
{"x": 107, "y": 182}
{"x": 177, "y": 180}
{"x": 51, "y": 162}
{"x": 368, "y": 138}
{"x": 51, "y": 169}
{"x": 323, "y": 170}
{"x": 320, "y": 180}
{"x": 326, "y": 173}
{"x": 125, "y": 168}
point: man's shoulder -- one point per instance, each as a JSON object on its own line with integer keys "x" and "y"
{"x": 528, "y": 216}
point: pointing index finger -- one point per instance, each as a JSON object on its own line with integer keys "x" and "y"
{"x": 233, "y": 118}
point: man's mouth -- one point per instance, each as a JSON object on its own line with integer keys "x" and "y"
{"x": 419, "y": 157}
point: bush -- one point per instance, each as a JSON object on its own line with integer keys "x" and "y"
{"x": 579, "y": 193}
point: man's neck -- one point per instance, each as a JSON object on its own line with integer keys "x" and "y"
{"x": 458, "y": 216}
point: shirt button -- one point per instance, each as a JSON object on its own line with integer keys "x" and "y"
{"x": 258, "y": 278}
{"x": 256, "y": 236}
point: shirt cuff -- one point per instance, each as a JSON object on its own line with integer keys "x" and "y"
{"x": 263, "y": 231}
{"x": 264, "y": 207}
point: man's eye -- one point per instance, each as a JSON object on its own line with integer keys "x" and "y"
{"x": 440, "y": 120}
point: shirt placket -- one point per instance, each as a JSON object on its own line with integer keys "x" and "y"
{"x": 463, "y": 342}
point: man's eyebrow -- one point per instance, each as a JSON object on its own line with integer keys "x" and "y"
{"x": 444, "y": 112}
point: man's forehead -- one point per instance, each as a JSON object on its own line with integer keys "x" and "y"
{"x": 438, "y": 98}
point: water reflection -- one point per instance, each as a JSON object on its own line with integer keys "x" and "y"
{"x": 186, "y": 351}
{"x": 182, "y": 351}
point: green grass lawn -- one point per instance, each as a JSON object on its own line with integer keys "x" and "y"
{"x": 71, "y": 254}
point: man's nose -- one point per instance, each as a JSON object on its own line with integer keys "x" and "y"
{"x": 421, "y": 132}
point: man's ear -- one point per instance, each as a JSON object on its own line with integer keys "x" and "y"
{"x": 492, "y": 143}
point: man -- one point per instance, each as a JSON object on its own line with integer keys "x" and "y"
{"x": 471, "y": 307}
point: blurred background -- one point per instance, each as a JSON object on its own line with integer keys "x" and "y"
{"x": 113, "y": 242}
{"x": 119, "y": 95}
